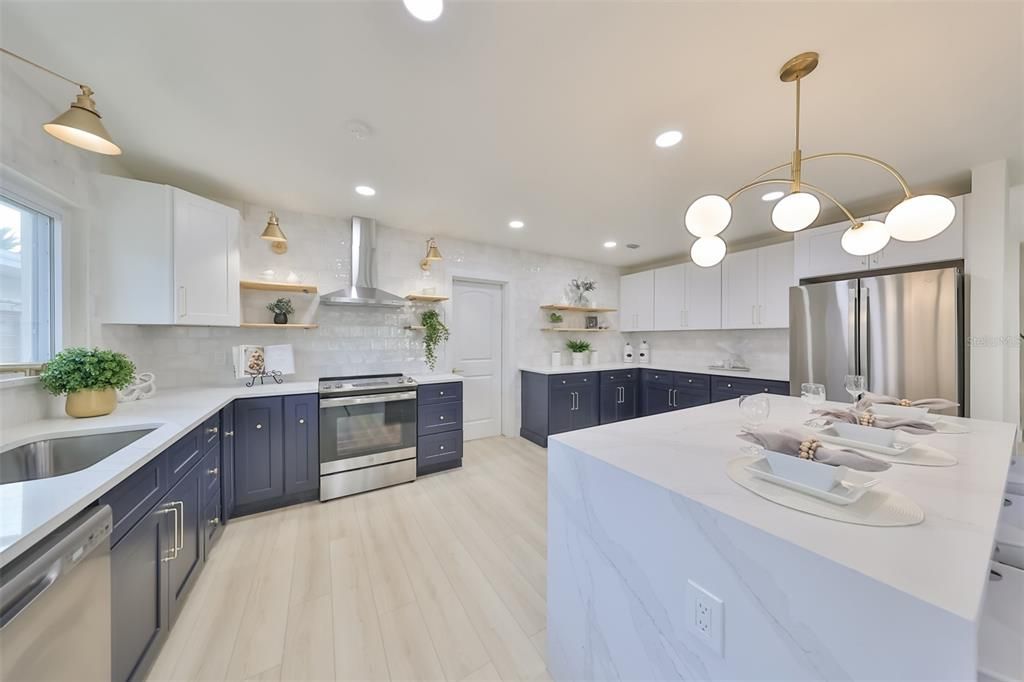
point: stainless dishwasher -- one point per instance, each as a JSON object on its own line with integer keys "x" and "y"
{"x": 55, "y": 604}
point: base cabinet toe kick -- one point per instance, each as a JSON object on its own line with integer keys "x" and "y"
{"x": 556, "y": 403}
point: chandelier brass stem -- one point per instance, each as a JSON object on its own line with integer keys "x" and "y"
{"x": 777, "y": 181}
{"x": 847, "y": 155}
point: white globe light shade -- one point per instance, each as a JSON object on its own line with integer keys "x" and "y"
{"x": 424, "y": 10}
{"x": 919, "y": 218}
{"x": 707, "y": 251}
{"x": 708, "y": 215}
{"x": 871, "y": 237}
{"x": 795, "y": 211}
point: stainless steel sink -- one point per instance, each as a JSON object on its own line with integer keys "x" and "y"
{"x": 65, "y": 455}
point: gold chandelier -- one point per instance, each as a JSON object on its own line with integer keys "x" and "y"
{"x": 915, "y": 218}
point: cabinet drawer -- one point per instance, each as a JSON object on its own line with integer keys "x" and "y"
{"x": 654, "y": 376}
{"x": 439, "y": 417}
{"x": 619, "y": 376}
{"x": 441, "y": 448}
{"x": 132, "y": 499}
{"x": 575, "y": 379}
{"x": 727, "y": 388}
{"x": 688, "y": 380}
{"x": 184, "y": 454}
{"x": 692, "y": 397}
{"x": 211, "y": 433}
{"x": 210, "y": 474}
{"x": 439, "y": 393}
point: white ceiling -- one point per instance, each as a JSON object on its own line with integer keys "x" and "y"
{"x": 544, "y": 111}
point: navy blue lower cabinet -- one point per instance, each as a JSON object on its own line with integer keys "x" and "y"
{"x": 730, "y": 388}
{"x": 227, "y": 462}
{"x": 558, "y": 402}
{"x": 259, "y": 450}
{"x": 301, "y": 443}
{"x": 438, "y": 427}
{"x": 139, "y": 599}
{"x": 619, "y": 395}
{"x": 656, "y": 392}
{"x": 186, "y": 505}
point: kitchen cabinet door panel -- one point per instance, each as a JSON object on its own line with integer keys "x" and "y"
{"x": 668, "y": 298}
{"x": 636, "y": 301}
{"x": 227, "y": 462}
{"x": 819, "y": 253}
{"x": 259, "y": 457}
{"x": 703, "y": 297}
{"x": 183, "y": 569}
{"x": 205, "y": 261}
{"x": 774, "y": 277}
{"x": 739, "y": 290}
{"x": 301, "y": 443}
{"x": 588, "y": 409}
{"x": 655, "y": 398}
{"x": 562, "y": 405}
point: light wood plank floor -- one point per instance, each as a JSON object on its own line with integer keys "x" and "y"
{"x": 441, "y": 579}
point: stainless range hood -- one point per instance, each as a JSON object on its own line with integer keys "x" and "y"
{"x": 364, "y": 291}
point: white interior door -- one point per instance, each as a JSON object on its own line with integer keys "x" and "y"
{"x": 476, "y": 355}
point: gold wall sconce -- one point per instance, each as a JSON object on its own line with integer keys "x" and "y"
{"x": 80, "y": 125}
{"x": 433, "y": 253}
{"x": 273, "y": 234}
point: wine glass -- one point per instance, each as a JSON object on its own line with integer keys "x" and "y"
{"x": 812, "y": 394}
{"x": 755, "y": 410}
{"x": 855, "y": 386}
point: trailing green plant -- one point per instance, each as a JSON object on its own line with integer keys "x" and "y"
{"x": 434, "y": 333}
{"x": 281, "y": 305}
{"x": 83, "y": 369}
{"x": 555, "y": 318}
{"x": 578, "y": 345}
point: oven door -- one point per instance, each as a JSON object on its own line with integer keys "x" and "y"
{"x": 366, "y": 430}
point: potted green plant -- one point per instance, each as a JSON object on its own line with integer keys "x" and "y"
{"x": 281, "y": 308}
{"x": 555, "y": 319}
{"x": 89, "y": 378}
{"x": 579, "y": 349}
{"x": 434, "y": 333}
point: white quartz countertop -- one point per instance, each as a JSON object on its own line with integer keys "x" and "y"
{"x": 31, "y": 509}
{"x": 942, "y": 561}
{"x": 764, "y": 373}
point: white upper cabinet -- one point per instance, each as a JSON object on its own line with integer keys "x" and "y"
{"x": 755, "y": 287}
{"x": 739, "y": 290}
{"x": 669, "y": 298}
{"x": 774, "y": 277}
{"x": 166, "y": 256}
{"x": 819, "y": 251}
{"x": 703, "y": 297}
{"x": 636, "y": 302}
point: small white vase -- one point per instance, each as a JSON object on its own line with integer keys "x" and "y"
{"x": 578, "y": 358}
{"x": 595, "y": 357}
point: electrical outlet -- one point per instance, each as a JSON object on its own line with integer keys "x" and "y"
{"x": 705, "y": 617}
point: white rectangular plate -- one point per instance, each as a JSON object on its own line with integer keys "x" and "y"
{"x": 848, "y": 491}
{"x": 829, "y": 435}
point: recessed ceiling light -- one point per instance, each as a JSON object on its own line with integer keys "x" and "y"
{"x": 365, "y": 190}
{"x": 610, "y": 245}
{"x": 516, "y": 224}
{"x": 669, "y": 138}
{"x": 424, "y": 10}
{"x": 772, "y": 196}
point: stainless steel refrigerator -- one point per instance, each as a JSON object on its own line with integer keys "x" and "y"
{"x": 904, "y": 332}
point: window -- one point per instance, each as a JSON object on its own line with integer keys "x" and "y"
{"x": 27, "y": 291}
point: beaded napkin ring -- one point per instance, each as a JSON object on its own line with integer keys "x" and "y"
{"x": 866, "y": 419}
{"x": 808, "y": 448}
{"x": 906, "y": 403}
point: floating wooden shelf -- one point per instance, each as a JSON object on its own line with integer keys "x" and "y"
{"x": 573, "y": 329}
{"x": 425, "y": 298}
{"x": 415, "y": 327}
{"x": 269, "y": 325}
{"x": 576, "y": 309}
{"x": 277, "y": 286}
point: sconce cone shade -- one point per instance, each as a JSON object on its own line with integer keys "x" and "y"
{"x": 272, "y": 232}
{"x": 708, "y": 215}
{"x": 81, "y": 126}
{"x": 795, "y": 211}
{"x": 871, "y": 237}
{"x": 707, "y": 251}
{"x": 919, "y": 218}
{"x": 432, "y": 251}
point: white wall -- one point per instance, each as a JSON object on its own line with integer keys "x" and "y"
{"x": 761, "y": 349}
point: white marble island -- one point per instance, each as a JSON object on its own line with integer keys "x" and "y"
{"x": 639, "y": 508}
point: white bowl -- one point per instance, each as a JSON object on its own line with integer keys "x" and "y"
{"x": 865, "y": 434}
{"x": 808, "y": 472}
{"x": 920, "y": 413}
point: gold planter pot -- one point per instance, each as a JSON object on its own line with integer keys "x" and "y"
{"x": 91, "y": 403}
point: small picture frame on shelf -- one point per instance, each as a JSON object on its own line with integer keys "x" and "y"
{"x": 591, "y": 321}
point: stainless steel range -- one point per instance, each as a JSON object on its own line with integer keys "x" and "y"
{"x": 367, "y": 433}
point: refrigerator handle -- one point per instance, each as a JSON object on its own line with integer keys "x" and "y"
{"x": 864, "y": 340}
{"x": 851, "y": 335}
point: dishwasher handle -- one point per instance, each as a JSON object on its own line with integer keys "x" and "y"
{"x": 18, "y": 592}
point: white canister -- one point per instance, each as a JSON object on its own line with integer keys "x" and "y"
{"x": 595, "y": 357}
{"x": 556, "y": 358}
{"x": 627, "y": 352}
{"x": 644, "y": 354}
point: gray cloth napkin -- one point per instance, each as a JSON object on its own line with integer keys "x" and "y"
{"x": 868, "y": 399}
{"x": 788, "y": 443}
{"x": 914, "y": 426}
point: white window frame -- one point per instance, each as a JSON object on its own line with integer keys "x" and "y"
{"x": 23, "y": 196}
